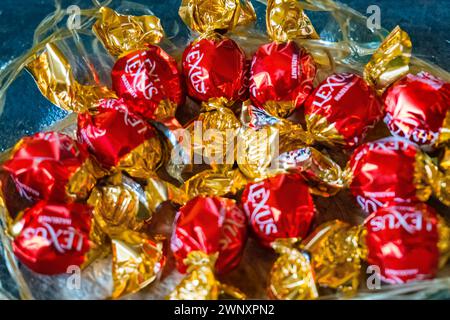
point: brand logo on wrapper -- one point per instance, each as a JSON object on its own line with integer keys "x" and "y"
{"x": 387, "y": 144}
{"x": 410, "y": 222}
{"x": 231, "y": 227}
{"x": 195, "y": 74}
{"x": 326, "y": 91}
{"x": 62, "y": 239}
{"x": 144, "y": 76}
{"x": 410, "y": 130}
{"x": 261, "y": 213}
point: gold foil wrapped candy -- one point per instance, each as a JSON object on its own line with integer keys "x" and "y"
{"x": 137, "y": 261}
{"x": 201, "y": 283}
{"x": 269, "y": 145}
{"x": 291, "y": 276}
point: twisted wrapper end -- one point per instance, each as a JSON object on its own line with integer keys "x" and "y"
{"x": 292, "y": 275}
{"x": 121, "y": 34}
{"x": 54, "y": 77}
{"x": 390, "y": 62}
{"x": 137, "y": 262}
{"x": 200, "y": 282}
{"x": 286, "y": 20}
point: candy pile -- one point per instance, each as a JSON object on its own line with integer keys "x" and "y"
{"x": 254, "y": 162}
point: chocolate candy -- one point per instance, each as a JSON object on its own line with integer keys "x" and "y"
{"x": 279, "y": 207}
{"x": 144, "y": 76}
{"x": 341, "y": 110}
{"x": 394, "y": 170}
{"x": 50, "y": 237}
{"x": 282, "y": 73}
{"x": 404, "y": 241}
{"x": 120, "y": 140}
{"x": 209, "y": 235}
{"x": 49, "y": 165}
{"x": 418, "y": 109}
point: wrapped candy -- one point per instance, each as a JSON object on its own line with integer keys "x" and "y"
{"x": 408, "y": 242}
{"x": 209, "y": 235}
{"x": 215, "y": 71}
{"x": 394, "y": 170}
{"x": 144, "y": 75}
{"x": 50, "y": 238}
{"x": 330, "y": 257}
{"x": 271, "y": 145}
{"x": 343, "y": 107}
{"x": 279, "y": 207}
{"x": 341, "y": 110}
{"x": 120, "y": 140}
{"x": 282, "y": 73}
{"x": 418, "y": 109}
{"x": 47, "y": 166}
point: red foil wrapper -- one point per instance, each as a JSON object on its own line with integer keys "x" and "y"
{"x": 282, "y": 77}
{"x": 210, "y": 225}
{"x": 148, "y": 80}
{"x": 383, "y": 171}
{"x": 51, "y": 237}
{"x": 416, "y": 108}
{"x": 42, "y": 165}
{"x": 113, "y": 132}
{"x": 342, "y": 109}
{"x": 279, "y": 207}
{"x": 402, "y": 240}
{"x": 214, "y": 68}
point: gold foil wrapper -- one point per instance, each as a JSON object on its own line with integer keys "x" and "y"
{"x": 390, "y": 62}
{"x": 120, "y": 205}
{"x": 286, "y": 20}
{"x": 54, "y": 77}
{"x": 291, "y": 276}
{"x": 200, "y": 282}
{"x": 124, "y": 33}
{"x": 213, "y": 134}
{"x": 323, "y": 131}
{"x": 84, "y": 179}
{"x": 337, "y": 250}
{"x": 137, "y": 261}
{"x": 429, "y": 180}
{"x": 270, "y": 146}
{"x": 205, "y": 16}
{"x": 444, "y": 133}
{"x": 444, "y": 241}
{"x": 444, "y": 162}
{"x": 143, "y": 160}
{"x": 215, "y": 183}
{"x": 158, "y": 191}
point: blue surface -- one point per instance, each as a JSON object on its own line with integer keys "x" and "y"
{"x": 26, "y": 111}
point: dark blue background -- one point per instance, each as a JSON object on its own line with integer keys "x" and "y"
{"x": 428, "y": 23}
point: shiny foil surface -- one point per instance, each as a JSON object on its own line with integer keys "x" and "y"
{"x": 149, "y": 82}
{"x": 384, "y": 171}
{"x": 212, "y": 225}
{"x": 342, "y": 109}
{"x": 50, "y": 237}
{"x": 416, "y": 109}
{"x": 403, "y": 241}
{"x": 282, "y": 77}
{"x": 50, "y": 165}
{"x": 214, "y": 67}
{"x": 119, "y": 139}
{"x": 279, "y": 207}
